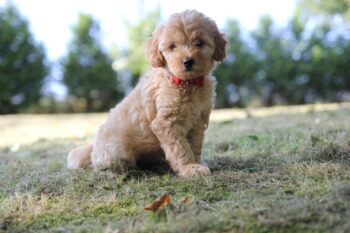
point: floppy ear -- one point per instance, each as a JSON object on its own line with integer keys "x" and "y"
{"x": 153, "y": 53}
{"x": 220, "y": 47}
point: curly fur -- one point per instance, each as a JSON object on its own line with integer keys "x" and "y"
{"x": 160, "y": 118}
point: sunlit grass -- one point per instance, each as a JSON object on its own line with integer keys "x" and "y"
{"x": 28, "y": 128}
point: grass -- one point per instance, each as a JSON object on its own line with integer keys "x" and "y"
{"x": 283, "y": 171}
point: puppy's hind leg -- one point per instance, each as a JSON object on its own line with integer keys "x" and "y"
{"x": 80, "y": 157}
{"x": 111, "y": 156}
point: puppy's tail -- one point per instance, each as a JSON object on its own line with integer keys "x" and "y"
{"x": 80, "y": 157}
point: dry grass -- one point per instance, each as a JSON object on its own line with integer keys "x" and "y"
{"x": 283, "y": 169}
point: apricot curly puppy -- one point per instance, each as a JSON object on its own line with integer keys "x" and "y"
{"x": 167, "y": 113}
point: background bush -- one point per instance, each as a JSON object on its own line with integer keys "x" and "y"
{"x": 306, "y": 61}
{"x": 22, "y": 63}
{"x": 87, "y": 70}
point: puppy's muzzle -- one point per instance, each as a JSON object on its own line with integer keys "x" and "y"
{"x": 188, "y": 63}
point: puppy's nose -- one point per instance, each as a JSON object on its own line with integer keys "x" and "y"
{"x": 188, "y": 62}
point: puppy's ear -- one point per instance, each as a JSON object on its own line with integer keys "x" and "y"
{"x": 153, "y": 53}
{"x": 220, "y": 47}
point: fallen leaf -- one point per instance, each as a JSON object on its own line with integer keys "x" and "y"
{"x": 159, "y": 202}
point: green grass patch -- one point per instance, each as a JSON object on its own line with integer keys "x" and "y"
{"x": 281, "y": 173}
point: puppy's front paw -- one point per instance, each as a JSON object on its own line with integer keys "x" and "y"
{"x": 191, "y": 170}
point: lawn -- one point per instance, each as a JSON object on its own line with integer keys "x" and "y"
{"x": 282, "y": 169}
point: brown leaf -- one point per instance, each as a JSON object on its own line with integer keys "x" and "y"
{"x": 159, "y": 202}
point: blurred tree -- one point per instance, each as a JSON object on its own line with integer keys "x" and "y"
{"x": 341, "y": 61}
{"x": 87, "y": 69}
{"x": 297, "y": 86}
{"x": 291, "y": 65}
{"x": 235, "y": 74}
{"x": 322, "y": 66}
{"x": 22, "y": 63}
{"x": 138, "y": 33}
{"x": 325, "y": 65}
{"x": 276, "y": 67}
{"x": 328, "y": 7}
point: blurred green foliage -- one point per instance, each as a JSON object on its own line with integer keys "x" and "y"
{"x": 306, "y": 61}
{"x": 22, "y": 63}
{"x": 236, "y": 70}
{"x": 136, "y": 62}
{"x": 327, "y": 7}
{"x": 87, "y": 69}
{"x": 292, "y": 65}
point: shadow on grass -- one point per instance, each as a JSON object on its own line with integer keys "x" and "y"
{"x": 53, "y": 156}
{"x": 332, "y": 152}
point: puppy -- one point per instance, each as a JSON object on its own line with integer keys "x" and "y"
{"x": 167, "y": 112}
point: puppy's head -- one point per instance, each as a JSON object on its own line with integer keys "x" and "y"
{"x": 188, "y": 45}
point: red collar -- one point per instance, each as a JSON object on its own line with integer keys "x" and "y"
{"x": 187, "y": 83}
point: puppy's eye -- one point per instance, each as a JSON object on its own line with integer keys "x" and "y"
{"x": 172, "y": 46}
{"x": 199, "y": 44}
